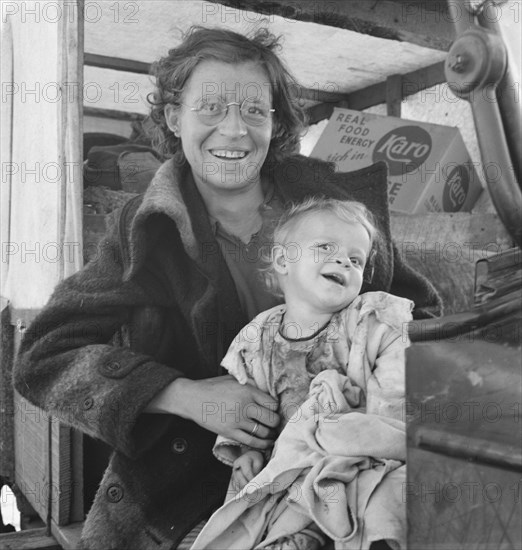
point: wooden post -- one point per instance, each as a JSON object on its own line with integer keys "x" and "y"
{"x": 44, "y": 225}
{"x": 394, "y": 95}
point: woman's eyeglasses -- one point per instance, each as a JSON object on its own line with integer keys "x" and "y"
{"x": 213, "y": 110}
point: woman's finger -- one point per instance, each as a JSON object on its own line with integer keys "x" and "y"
{"x": 260, "y": 431}
{"x": 264, "y": 410}
{"x": 200, "y": 404}
{"x": 255, "y": 442}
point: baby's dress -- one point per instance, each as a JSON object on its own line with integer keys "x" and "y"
{"x": 369, "y": 333}
{"x": 295, "y": 362}
{"x": 364, "y": 344}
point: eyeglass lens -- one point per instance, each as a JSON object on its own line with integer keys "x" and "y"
{"x": 213, "y": 110}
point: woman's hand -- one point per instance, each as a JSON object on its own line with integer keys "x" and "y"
{"x": 246, "y": 467}
{"x": 223, "y": 406}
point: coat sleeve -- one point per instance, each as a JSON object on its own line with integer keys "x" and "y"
{"x": 225, "y": 449}
{"x": 67, "y": 365}
{"x": 242, "y": 360}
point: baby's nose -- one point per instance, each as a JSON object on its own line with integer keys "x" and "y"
{"x": 345, "y": 262}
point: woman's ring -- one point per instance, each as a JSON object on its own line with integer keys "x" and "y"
{"x": 254, "y": 429}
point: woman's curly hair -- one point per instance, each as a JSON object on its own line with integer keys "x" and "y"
{"x": 200, "y": 44}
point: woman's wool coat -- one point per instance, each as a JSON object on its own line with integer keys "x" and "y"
{"x": 157, "y": 303}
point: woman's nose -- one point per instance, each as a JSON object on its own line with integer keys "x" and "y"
{"x": 233, "y": 124}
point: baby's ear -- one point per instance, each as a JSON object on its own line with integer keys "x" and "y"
{"x": 279, "y": 259}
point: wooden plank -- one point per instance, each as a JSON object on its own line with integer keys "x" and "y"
{"x": 77, "y": 508}
{"x": 112, "y": 114}
{"x": 62, "y": 475}
{"x": 30, "y": 441}
{"x": 70, "y": 136}
{"x": 6, "y": 394}
{"x": 409, "y": 21}
{"x": 394, "y": 95}
{"x": 324, "y": 96}
{"x": 32, "y": 539}
{"x": 412, "y": 83}
{"x": 421, "y": 79}
{"x": 68, "y": 536}
{"x": 43, "y": 463}
{"x": 6, "y": 143}
{"x": 94, "y": 123}
{"x": 70, "y": 69}
{"x": 116, "y": 63}
{"x": 31, "y": 451}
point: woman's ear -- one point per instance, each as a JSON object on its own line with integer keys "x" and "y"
{"x": 279, "y": 259}
{"x": 172, "y": 118}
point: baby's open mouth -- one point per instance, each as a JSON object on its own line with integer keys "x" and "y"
{"x": 225, "y": 154}
{"x": 335, "y": 278}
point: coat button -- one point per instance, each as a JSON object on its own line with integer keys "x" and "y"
{"x": 88, "y": 403}
{"x": 179, "y": 445}
{"x": 114, "y": 493}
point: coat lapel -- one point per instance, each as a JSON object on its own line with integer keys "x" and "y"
{"x": 212, "y": 263}
{"x": 217, "y": 310}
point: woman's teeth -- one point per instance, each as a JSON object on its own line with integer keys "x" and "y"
{"x": 229, "y": 154}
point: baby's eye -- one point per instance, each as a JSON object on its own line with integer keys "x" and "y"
{"x": 356, "y": 261}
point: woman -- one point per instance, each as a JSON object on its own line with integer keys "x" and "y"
{"x": 128, "y": 349}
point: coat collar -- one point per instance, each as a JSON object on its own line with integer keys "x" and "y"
{"x": 164, "y": 196}
{"x": 173, "y": 195}
{"x": 172, "y": 192}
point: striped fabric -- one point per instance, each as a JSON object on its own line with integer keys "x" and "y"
{"x": 188, "y": 541}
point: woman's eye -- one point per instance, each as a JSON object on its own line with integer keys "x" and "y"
{"x": 253, "y": 110}
{"x": 209, "y": 107}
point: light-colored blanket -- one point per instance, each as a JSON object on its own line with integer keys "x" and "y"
{"x": 342, "y": 469}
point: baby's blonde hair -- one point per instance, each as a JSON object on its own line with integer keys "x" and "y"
{"x": 347, "y": 211}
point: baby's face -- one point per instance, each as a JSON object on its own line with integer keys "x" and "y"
{"x": 324, "y": 260}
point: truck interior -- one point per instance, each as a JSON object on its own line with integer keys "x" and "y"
{"x": 79, "y": 99}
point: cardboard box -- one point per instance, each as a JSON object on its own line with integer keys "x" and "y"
{"x": 429, "y": 169}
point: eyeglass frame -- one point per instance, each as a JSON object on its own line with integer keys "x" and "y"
{"x": 225, "y": 111}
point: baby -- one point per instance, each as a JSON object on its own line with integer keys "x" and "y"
{"x": 322, "y": 253}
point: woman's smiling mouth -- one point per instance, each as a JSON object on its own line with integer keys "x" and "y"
{"x": 228, "y": 154}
